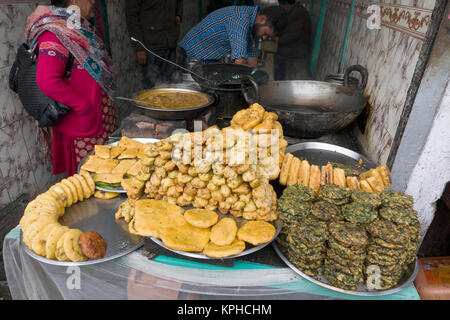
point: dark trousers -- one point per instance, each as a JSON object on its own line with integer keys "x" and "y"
{"x": 157, "y": 71}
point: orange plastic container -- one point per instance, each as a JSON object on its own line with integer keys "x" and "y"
{"x": 433, "y": 279}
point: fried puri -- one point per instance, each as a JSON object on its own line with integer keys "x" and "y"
{"x": 256, "y": 232}
{"x": 201, "y": 218}
{"x": 214, "y": 251}
{"x": 223, "y": 232}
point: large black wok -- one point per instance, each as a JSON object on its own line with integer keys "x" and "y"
{"x": 311, "y": 109}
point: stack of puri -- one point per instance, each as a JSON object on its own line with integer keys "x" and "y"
{"x": 294, "y": 206}
{"x": 386, "y": 254}
{"x": 307, "y": 246}
{"x": 344, "y": 263}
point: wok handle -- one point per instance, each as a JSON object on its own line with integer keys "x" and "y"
{"x": 250, "y": 90}
{"x": 364, "y": 74}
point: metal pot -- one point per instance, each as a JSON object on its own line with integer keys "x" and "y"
{"x": 311, "y": 109}
{"x": 226, "y": 82}
{"x": 176, "y": 114}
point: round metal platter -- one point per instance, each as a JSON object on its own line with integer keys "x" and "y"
{"x": 405, "y": 281}
{"x": 97, "y": 215}
{"x": 248, "y": 247}
{"x": 320, "y": 153}
{"x": 142, "y": 140}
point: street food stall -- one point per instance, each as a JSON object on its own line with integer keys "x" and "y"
{"x": 228, "y": 185}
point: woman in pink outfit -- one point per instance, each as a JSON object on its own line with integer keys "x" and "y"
{"x": 89, "y": 90}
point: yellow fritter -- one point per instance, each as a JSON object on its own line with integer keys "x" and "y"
{"x": 78, "y": 187}
{"x": 84, "y": 186}
{"x": 60, "y": 254}
{"x": 129, "y": 153}
{"x": 223, "y": 232}
{"x": 185, "y": 237}
{"x": 214, "y": 251}
{"x": 39, "y": 242}
{"x": 116, "y": 151}
{"x": 256, "y": 232}
{"x": 107, "y": 165}
{"x": 99, "y": 194}
{"x": 124, "y": 166}
{"x": 52, "y": 240}
{"x": 72, "y": 189}
{"x": 102, "y": 151}
{"x": 71, "y": 247}
{"x": 150, "y": 215}
{"x": 89, "y": 180}
{"x": 92, "y": 164}
{"x": 201, "y": 218}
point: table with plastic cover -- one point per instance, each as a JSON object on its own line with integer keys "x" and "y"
{"x": 135, "y": 276}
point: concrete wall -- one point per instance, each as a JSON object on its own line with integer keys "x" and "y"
{"x": 23, "y": 165}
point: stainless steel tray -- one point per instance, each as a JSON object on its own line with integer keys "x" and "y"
{"x": 405, "y": 282}
{"x": 142, "y": 140}
{"x": 97, "y": 215}
{"x": 249, "y": 248}
{"x": 320, "y": 153}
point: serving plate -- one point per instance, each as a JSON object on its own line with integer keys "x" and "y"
{"x": 115, "y": 143}
{"x": 406, "y": 280}
{"x": 320, "y": 153}
{"x": 97, "y": 215}
{"x": 248, "y": 247}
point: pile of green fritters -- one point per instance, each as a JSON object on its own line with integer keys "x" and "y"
{"x": 350, "y": 236}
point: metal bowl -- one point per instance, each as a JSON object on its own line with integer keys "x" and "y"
{"x": 175, "y": 114}
{"x": 311, "y": 109}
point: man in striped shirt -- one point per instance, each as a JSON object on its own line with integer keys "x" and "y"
{"x": 232, "y": 30}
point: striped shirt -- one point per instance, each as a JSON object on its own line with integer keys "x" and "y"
{"x": 224, "y": 31}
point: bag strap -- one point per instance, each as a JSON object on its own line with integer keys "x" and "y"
{"x": 69, "y": 65}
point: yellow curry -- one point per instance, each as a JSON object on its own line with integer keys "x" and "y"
{"x": 169, "y": 99}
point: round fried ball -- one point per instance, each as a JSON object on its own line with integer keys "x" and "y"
{"x": 92, "y": 245}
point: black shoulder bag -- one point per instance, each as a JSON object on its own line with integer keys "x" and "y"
{"x": 22, "y": 80}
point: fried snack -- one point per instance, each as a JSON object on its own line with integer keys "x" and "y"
{"x": 135, "y": 168}
{"x": 364, "y": 185}
{"x": 39, "y": 241}
{"x": 92, "y": 245}
{"x": 124, "y": 166}
{"x": 326, "y": 174}
{"x": 129, "y": 153}
{"x": 293, "y": 172}
{"x": 184, "y": 237}
{"x": 126, "y": 142}
{"x": 78, "y": 187}
{"x": 214, "y": 251}
{"x": 99, "y": 194}
{"x": 256, "y": 232}
{"x": 376, "y": 183}
{"x": 201, "y": 218}
{"x": 52, "y": 240}
{"x": 304, "y": 173}
{"x": 89, "y": 181}
{"x": 107, "y": 165}
{"x": 92, "y": 163}
{"x": 314, "y": 178}
{"x": 385, "y": 175}
{"x": 33, "y": 228}
{"x": 87, "y": 193}
{"x": 60, "y": 254}
{"x": 285, "y": 168}
{"x": 125, "y": 211}
{"x": 72, "y": 189}
{"x": 223, "y": 232}
{"x": 110, "y": 178}
{"x": 63, "y": 195}
{"x": 150, "y": 215}
{"x": 339, "y": 177}
{"x": 103, "y": 151}
{"x": 352, "y": 183}
{"x": 71, "y": 247}
{"x": 115, "y": 151}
